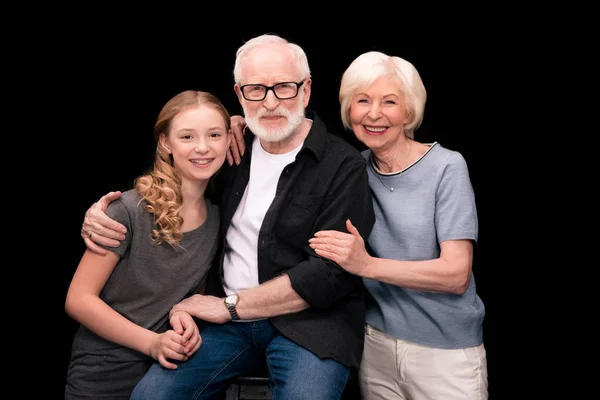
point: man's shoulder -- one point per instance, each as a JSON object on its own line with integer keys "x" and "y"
{"x": 335, "y": 144}
{"x": 340, "y": 139}
{"x": 329, "y": 143}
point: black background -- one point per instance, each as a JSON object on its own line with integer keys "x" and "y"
{"x": 110, "y": 87}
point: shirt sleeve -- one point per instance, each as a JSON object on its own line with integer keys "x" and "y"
{"x": 320, "y": 281}
{"x": 455, "y": 209}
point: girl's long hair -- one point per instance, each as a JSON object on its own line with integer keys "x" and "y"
{"x": 161, "y": 187}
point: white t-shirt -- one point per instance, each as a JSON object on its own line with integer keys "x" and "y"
{"x": 240, "y": 265}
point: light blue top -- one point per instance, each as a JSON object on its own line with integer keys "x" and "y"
{"x": 432, "y": 201}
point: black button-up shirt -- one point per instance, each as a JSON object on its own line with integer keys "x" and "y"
{"x": 324, "y": 186}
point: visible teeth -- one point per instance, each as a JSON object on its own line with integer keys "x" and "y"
{"x": 375, "y": 129}
{"x": 200, "y": 161}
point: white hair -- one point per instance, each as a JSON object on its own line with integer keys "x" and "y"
{"x": 370, "y": 66}
{"x": 242, "y": 52}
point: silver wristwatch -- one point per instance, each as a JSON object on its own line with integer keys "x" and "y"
{"x": 230, "y": 303}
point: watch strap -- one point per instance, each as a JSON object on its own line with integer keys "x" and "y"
{"x": 232, "y": 311}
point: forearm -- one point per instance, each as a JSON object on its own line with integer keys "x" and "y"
{"x": 272, "y": 298}
{"x": 436, "y": 275}
{"x": 100, "y": 318}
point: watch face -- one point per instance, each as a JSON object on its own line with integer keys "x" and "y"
{"x": 231, "y": 299}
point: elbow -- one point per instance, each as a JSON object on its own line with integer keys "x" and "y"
{"x": 461, "y": 282}
{"x": 461, "y": 288}
{"x": 458, "y": 268}
{"x": 68, "y": 309}
{"x": 70, "y": 305}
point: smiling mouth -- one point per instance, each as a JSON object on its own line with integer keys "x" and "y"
{"x": 201, "y": 162}
{"x": 374, "y": 129}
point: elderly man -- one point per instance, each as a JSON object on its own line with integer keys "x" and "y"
{"x": 270, "y": 298}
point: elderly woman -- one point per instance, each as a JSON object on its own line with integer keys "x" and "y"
{"x": 423, "y": 331}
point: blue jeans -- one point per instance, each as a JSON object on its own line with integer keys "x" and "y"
{"x": 238, "y": 348}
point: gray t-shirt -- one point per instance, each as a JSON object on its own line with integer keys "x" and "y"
{"x": 432, "y": 201}
{"x": 146, "y": 282}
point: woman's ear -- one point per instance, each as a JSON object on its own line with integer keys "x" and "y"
{"x": 162, "y": 141}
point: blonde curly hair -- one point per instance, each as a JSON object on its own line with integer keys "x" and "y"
{"x": 161, "y": 187}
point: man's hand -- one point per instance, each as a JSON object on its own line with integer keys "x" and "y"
{"x": 236, "y": 148}
{"x": 207, "y": 308}
{"x": 99, "y": 228}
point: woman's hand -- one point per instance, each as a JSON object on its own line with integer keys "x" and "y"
{"x": 184, "y": 324}
{"x": 346, "y": 249}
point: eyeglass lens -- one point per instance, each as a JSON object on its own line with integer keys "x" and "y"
{"x": 285, "y": 90}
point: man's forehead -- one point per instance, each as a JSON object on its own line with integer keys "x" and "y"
{"x": 270, "y": 66}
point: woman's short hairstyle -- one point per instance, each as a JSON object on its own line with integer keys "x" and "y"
{"x": 370, "y": 66}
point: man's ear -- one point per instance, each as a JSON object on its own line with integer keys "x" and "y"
{"x": 162, "y": 141}
{"x": 238, "y": 92}
{"x": 307, "y": 89}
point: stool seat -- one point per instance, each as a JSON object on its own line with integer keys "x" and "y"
{"x": 246, "y": 387}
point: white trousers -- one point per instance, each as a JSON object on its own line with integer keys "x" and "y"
{"x": 394, "y": 369}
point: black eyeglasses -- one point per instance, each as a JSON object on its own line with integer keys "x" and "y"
{"x": 283, "y": 91}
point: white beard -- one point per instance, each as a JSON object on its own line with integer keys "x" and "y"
{"x": 276, "y": 134}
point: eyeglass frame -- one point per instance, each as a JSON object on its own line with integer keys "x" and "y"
{"x": 272, "y": 88}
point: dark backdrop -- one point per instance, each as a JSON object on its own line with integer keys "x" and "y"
{"x": 113, "y": 86}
